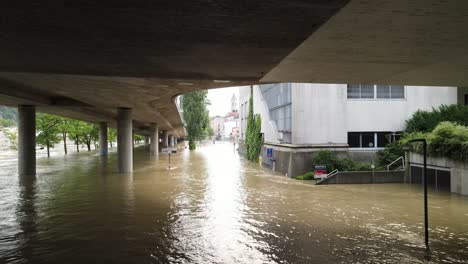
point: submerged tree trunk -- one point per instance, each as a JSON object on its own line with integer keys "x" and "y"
{"x": 48, "y": 149}
{"x": 77, "y": 146}
{"x": 88, "y": 144}
{"x": 65, "y": 142}
{"x": 110, "y": 143}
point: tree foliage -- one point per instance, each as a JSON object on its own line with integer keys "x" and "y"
{"x": 12, "y": 136}
{"x": 254, "y": 139}
{"x": 9, "y": 114}
{"x": 391, "y": 152}
{"x": 138, "y": 138}
{"x": 111, "y": 135}
{"x": 196, "y": 116}
{"x": 47, "y": 131}
{"x": 333, "y": 162}
{"x": 89, "y": 134}
{"x": 448, "y": 139}
{"x": 426, "y": 121}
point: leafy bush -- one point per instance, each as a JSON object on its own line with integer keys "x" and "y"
{"x": 447, "y": 140}
{"x": 426, "y": 121}
{"x": 391, "y": 152}
{"x": 307, "y": 176}
{"x": 329, "y": 159}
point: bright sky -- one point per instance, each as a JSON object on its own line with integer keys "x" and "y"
{"x": 221, "y": 100}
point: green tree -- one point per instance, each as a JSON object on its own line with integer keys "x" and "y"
{"x": 5, "y": 123}
{"x": 196, "y": 116}
{"x": 426, "y": 121}
{"x": 76, "y": 132}
{"x": 254, "y": 139}
{"x": 9, "y": 114}
{"x": 64, "y": 127}
{"x": 89, "y": 134}
{"x": 112, "y": 136}
{"x": 47, "y": 128}
{"x": 138, "y": 138}
{"x": 12, "y": 137}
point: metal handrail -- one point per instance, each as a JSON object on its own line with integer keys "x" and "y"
{"x": 402, "y": 158}
{"x": 332, "y": 173}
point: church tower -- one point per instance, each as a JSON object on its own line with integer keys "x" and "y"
{"x": 233, "y": 103}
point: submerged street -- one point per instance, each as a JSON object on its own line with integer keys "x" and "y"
{"x": 213, "y": 206}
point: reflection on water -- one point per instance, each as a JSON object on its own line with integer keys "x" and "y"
{"x": 214, "y": 207}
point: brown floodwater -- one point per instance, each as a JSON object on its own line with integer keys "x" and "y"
{"x": 212, "y": 206}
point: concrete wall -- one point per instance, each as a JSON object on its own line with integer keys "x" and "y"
{"x": 244, "y": 95}
{"x": 293, "y": 160}
{"x": 318, "y": 113}
{"x": 458, "y": 170}
{"x": 365, "y": 177}
{"x": 323, "y": 114}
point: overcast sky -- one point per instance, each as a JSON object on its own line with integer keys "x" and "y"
{"x": 221, "y": 100}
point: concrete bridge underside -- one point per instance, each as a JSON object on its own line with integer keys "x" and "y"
{"x": 87, "y": 59}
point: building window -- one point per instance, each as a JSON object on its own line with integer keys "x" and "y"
{"x": 390, "y": 91}
{"x": 278, "y": 100}
{"x": 371, "y": 139}
{"x": 366, "y": 91}
{"x": 360, "y": 91}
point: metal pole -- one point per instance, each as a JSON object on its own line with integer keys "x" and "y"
{"x": 426, "y": 213}
{"x": 426, "y": 218}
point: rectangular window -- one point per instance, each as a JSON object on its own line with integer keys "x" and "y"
{"x": 397, "y": 92}
{"x": 365, "y": 91}
{"x": 390, "y": 91}
{"x": 383, "y": 91}
{"x": 354, "y": 91}
{"x": 383, "y": 138}
{"x": 367, "y": 140}
{"x": 360, "y": 91}
{"x": 371, "y": 139}
{"x": 354, "y": 139}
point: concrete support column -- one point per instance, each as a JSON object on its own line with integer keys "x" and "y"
{"x": 154, "y": 140}
{"x": 125, "y": 139}
{"x": 147, "y": 140}
{"x": 103, "y": 139}
{"x": 26, "y": 140}
{"x": 170, "y": 141}
{"x": 165, "y": 139}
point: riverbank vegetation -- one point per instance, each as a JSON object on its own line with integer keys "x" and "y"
{"x": 196, "y": 116}
{"x": 445, "y": 130}
{"x": 254, "y": 139}
{"x": 52, "y": 129}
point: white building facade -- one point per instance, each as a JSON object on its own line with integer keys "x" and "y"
{"x": 357, "y": 119}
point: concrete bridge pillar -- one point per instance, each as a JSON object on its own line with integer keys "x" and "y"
{"x": 165, "y": 139}
{"x": 103, "y": 139}
{"x": 26, "y": 140}
{"x": 125, "y": 139}
{"x": 154, "y": 140}
{"x": 147, "y": 140}
{"x": 170, "y": 141}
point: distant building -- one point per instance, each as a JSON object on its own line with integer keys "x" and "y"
{"x": 227, "y": 127}
{"x": 354, "y": 120}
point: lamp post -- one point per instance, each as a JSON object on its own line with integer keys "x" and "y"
{"x": 426, "y": 219}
